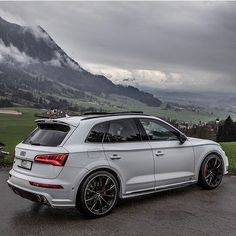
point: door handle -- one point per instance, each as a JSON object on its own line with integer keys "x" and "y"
{"x": 159, "y": 153}
{"x": 115, "y": 157}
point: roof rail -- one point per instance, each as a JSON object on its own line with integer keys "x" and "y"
{"x": 112, "y": 113}
{"x": 101, "y": 115}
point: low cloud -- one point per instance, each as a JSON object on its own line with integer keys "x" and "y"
{"x": 11, "y": 17}
{"x": 59, "y": 61}
{"x": 12, "y": 54}
{"x": 152, "y": 80}
{"x": 73, "y": 65}
{"x": 140, "y": 77}
{"x": 55, "y": 61}
{"x": 37, "y": 32}
{"x": 184, "y": 45}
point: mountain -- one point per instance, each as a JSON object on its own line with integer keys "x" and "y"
{"x": 31, "y": 62}
{"x": 224, "y": 101}
{"x": 34, "y": 42}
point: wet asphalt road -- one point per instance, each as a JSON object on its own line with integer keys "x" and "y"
{"x": 188, "y": 211}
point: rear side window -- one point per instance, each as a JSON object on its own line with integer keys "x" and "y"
{"x": 97, "y": 133}
{"x": 123, "y": 131}
{"x": 48, "y": 135}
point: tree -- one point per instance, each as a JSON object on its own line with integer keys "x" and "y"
{"x": 5, "y": 103}
{"x": 227, "y": 131}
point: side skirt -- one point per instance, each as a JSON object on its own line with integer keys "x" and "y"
{"x": 157, "y": 189}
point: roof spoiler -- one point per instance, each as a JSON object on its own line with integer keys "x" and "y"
{"x": 51, "y": 121}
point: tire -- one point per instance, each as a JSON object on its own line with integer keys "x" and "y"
{"x": 98, "y": 194}
{"x": 211, "y": 172}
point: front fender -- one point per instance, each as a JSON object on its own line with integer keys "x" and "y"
{"x": 201, "y": 152}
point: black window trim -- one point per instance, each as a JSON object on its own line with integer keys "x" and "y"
{"x": 106, "y": 129}
{"x": 142, "y": 132}
{"x": 136, "y": 122}
{"x": 161, "y": 122}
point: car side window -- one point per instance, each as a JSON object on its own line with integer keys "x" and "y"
{"x": 159, "y": 131}
{"x": 124, "y": 130}
{"x": 97, "y": 133}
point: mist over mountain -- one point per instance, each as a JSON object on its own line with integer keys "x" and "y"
{"x": 30, "y": 61}
{"x": 205, "y": 99}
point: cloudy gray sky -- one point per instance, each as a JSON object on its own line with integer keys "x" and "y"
{"x": 170, "y": 45}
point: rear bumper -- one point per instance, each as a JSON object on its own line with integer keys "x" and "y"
{"x": 58, "y": 198}
{"x": 47, "y": 198}
{"x": 29, "y": 195}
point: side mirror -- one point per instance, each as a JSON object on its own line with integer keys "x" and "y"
{"x": 182, "y": 138}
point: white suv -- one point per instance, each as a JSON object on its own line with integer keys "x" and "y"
{"x": 91, "y": 161}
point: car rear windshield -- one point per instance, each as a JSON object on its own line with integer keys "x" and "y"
{"x": 48, "y": 135}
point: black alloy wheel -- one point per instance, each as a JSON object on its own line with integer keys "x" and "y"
{"x": 211, "y": 172}
{"x": 98, "y": 194}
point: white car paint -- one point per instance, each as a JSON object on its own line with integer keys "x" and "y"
{"x": 141, "y": 167}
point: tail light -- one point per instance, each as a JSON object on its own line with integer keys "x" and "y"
{"x": 52, "y": 159}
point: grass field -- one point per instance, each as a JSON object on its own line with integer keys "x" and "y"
{"x": 230, "y": 150}
{"x": 15, "y": 128}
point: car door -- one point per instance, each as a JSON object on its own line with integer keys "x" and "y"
{"x": 128, "y": 154}
{"x": 173, "y": 161}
